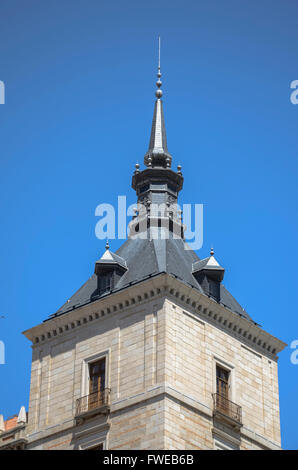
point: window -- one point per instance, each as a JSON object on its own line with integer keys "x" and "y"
{"x": 224, "y": 394}
{"x": 222, "y": 389}
{"x": 97, "y": 382}
{"x": 214, "y": 289}
{"x": 105, "y": 283}
{"x": 97, "y": 447}
{"x": 220, "y": 444}
{"x": 222, "y": 381}
{"x": 94, "y": 441}
{"x": 95, "y": 394}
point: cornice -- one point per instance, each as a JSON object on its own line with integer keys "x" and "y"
{"x": 206, "y": 309}
{"x": 161, "y": 286}
{"x": 100, "y": 309}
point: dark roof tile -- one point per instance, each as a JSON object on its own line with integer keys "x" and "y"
{"x": 145, "y": 257}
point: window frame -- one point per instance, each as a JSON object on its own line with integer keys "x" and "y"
{"x": 218, "y": 362}
{"x": 105, "y": 282}
{"x": 227, "y": 381}
{"x": 85, "y": 381}
{"x": 94, "y": 447}
{"x": 90, "y": 375}
{"x": 221, "y": 444}
{"x": 93, "y": 441}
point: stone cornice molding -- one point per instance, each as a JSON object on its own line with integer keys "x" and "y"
{"x": 161, "y": 286}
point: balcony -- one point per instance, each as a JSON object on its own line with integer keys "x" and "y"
{"x": 226, "y": 410}
{"x": 93, "y": 404}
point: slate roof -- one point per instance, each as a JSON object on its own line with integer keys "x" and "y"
{"x": 147, "y": 257}
{"x": 111, "y": 258}
{"x": 206, "y": 263}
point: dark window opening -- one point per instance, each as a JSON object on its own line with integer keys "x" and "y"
{"x": 222, "y": 382}
{"x": 105, "y": 283}
{"x": 144, "y": 188}
{"x": 98, "y": 447}
{"x": 97, "y": 382}
{"x": 214, "y": 289}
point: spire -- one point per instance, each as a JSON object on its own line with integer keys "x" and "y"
{"x": 158, "y": 92}
{"x": 157, "y": 154}
{"x": 157, "y": 186}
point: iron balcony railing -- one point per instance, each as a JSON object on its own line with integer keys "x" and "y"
{"x": 226, "y": 407}
{"x": 93, "y": 401}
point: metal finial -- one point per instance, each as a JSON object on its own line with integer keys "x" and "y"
{"x": 158, "y": 92}
{"x": 158, "y": 52}
{"x": 107, "y": 245}
{"x": 211, "y": 252}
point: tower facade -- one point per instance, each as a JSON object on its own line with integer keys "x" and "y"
{"x": 152, "y": 352}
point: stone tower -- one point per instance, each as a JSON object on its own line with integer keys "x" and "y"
{"x": 153, "y": 352}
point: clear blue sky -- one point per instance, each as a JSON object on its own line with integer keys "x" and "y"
{"x": 80, "y": 81}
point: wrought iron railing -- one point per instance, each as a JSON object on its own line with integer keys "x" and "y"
{"x": 227, "y": 407}
{"x": 93, "y": 401}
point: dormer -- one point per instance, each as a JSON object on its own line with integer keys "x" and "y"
{"x": 108, "y": 269}
{"x": 209, "y": 275}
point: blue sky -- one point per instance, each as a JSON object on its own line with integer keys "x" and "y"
{"x": 80, "y": 81}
